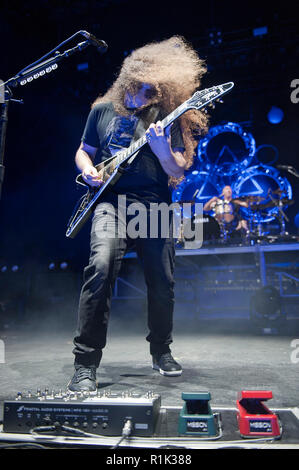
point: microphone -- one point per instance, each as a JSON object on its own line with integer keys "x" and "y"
{"x": 284, "y": 167}
{"x": 290, "y": 169}
{"x": 98, "y": 43}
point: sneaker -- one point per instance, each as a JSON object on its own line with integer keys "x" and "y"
{"x": 166, "y": 365}
{"x": 84, "y": 380}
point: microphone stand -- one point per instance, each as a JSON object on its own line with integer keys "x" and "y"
{"x": 27, "y": 75}
{"x": 3, "y": 124}
{"x": 282, "y": 216}
{"x": 7, "y": 95}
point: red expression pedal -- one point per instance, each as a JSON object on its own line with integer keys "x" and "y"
{"x": 254, "y": 418}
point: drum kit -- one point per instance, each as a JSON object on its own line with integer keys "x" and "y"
{"x": 223, "y": 225}
{"x": 227, "y": 156}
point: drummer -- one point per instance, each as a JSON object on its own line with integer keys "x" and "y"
{"x": 226, "y": 209}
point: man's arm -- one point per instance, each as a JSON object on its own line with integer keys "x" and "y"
{"x": 241, "y": 203}
{"x": 84, "y": 160}
{"x": 173, "y": 163}
{"x": 172, "y": 160}
{"x": 85, "y": 156}
{"x": 208, "y": 205}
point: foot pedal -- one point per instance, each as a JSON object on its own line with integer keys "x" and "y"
{"x": 196, "y": 417}
{"x": 254, "y": 418}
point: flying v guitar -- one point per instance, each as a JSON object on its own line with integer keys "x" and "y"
{"x": 110, "y": 169}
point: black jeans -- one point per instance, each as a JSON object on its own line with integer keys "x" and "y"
{"x": 106, "y": 254}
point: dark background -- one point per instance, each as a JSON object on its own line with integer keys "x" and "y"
{"x": 43, "y": 134}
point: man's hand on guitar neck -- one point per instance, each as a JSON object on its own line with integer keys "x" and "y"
{"x": 159, "y": 140}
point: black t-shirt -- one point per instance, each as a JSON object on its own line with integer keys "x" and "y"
{"x": 144, "y": 179}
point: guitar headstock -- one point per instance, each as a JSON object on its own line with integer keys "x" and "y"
{"x": 205, "y": 97}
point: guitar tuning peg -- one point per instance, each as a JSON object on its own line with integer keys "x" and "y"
{"x": 219, "y": 100}
{"x": 211, "y": 105}
{"x": 205, "y": 111}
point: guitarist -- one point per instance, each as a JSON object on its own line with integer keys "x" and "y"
{"x": 153, "y": 81}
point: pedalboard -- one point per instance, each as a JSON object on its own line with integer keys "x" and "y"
{"x": 101, "y": 413}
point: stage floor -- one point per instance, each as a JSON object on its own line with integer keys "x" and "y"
{"x": 220, "y": 360}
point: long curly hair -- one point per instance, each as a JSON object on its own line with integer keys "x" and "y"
{"x": 173, "y": 69}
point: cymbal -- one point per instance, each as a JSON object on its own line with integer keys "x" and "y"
{"x": 277, "y": 191}
{"x": 255, "y": 198}
{"x": 287, "y": 202}
{"x": 257, "y": 207}
{"x": 280, "y": 202}
{"x": 249, "y": 198}
{"x": 242, "y": 198}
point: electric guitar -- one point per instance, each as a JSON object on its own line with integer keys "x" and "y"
{"x": 110, "y": 169}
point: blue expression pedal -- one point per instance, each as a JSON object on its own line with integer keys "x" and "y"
{"x": 196, "y": 417}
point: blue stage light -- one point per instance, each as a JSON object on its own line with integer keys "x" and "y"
{"x": 82, "y": 66}
{"x": 275, "y": 115}
{"x": 262, "y": 31}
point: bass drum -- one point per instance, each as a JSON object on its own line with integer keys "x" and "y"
{"x": 210, "y": 229}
